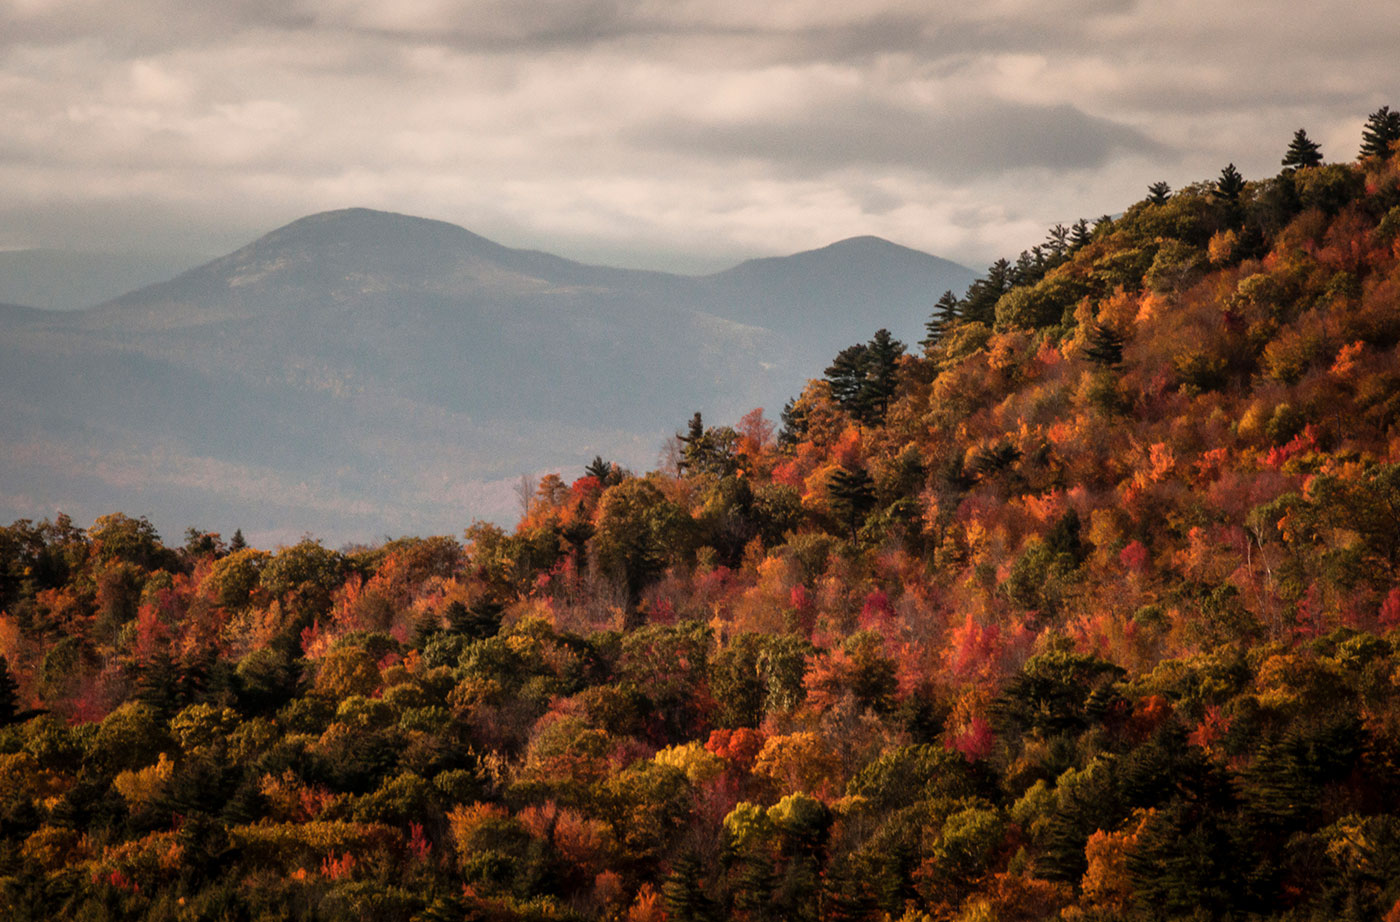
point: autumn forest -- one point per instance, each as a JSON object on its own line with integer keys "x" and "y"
{"x": 1086, "y": 607}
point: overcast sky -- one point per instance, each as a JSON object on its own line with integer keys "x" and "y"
{"x": 681, "y": 134}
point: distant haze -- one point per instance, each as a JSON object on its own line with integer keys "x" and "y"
{"x": 359, "y": 374}
{"x": 62, "y": 280}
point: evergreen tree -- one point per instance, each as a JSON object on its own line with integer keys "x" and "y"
{"x": 9, "y": 694}
{"x": 852, "y": 494}
{"x": 1380, "y": 134}
{"x": 946, "y": 312}
{"x": 478, "y": 621}
{"x": 980, "y": 302}
{"x": 684, "y": 893}
{"x": 692, "y": 444}
{"x": 1079, "y": 235}
{"x": 846, "y": 375}
{"x": 607, "y": 473}
{"x": 1302, "y": 151}
{"x": 1105, "y": 346}
{"x": 1158, "y": 193}
{"x": 1229, "y": 186}
{"x": 794, "y": 428}
{"x": 881, "y": 375}
{"x": 864, "y": 377}
{"x": 158, "y": 683}
{"x": 236, "y": 543}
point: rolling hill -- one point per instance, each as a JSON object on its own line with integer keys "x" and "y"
{"x": 358, "y": 373}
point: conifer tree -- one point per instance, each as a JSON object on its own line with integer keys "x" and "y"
{"x": 1158, "y": 193}
{"x": 1079, "y": 235}
{"x": 794, "y": 427}
{"x": 9, "y": 694}
{"x": 979, "y": 304}
{"x": 1302, "y": 151}
{"x": 684, "y": 894}
{"x": 946, "y": 312}
{"x": 1380, "y": 134}
{"x": 1105, "y": 346}
{"x": 852, "y": 496}
{"x": 1229, "y": 186}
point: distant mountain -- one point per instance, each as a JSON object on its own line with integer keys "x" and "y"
{"x": 846, "y": 290}
{"x": 361, "y": 373}
{"x": 67, "y": 280}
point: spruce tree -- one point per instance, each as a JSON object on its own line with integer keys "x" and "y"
{"x": 1380, "y": 134}
{"x": 1302, "y": 151}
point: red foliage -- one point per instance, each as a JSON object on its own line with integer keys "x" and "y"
{"x": 1389, "y": 615}
{"x": 975, "y": 740}
{"x": 1134, "y": 557}
{"x": 739, "y": 746}
{"x": 1210, "y": 730}
{"x": 333, "y": 868}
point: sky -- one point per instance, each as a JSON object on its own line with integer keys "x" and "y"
{"x": 674, "y": 134}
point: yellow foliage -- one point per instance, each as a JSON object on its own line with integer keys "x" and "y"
{"x": 54, "y": 848}
{"x": 142, "y": 786}
{"x": 697, "y": 762}
{"x": 797, "y": 762}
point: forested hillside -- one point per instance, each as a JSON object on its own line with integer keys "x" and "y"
{"x": 1086, "y": 608}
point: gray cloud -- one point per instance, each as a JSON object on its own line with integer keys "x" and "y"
{"x": 659, "y": 131}
{"x": 992, "y": 137}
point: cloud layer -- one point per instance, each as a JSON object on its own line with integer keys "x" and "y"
{"x": 679, "y": 134}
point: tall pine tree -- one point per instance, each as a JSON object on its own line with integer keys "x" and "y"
{"x": 1380, "y": 134}
{"x": 946, "y": 312}
{"x": 1302, "y": 151}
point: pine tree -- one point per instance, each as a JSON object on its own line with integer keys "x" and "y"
{"x": 946, "y": 313}
{"x": 979, "y": 304}
{"x": 1302, "y": 152}
{"x": 852, "y": 494}
{"x": 478, "y": 621}
{"x": 794, "y": 428}
{"x": 1229, "y": 186}
{"x": 1079, "y": 235}
{"x": 846, "y": 375}
{"x": 606, "y": 472}
{"x": 692, "y": 445}
{"x": 1105, "y": 346}
{"x": 1380, "y": 134}
{"x": 684, "y": 894}
{"x": 1158, "y": 193}
{"x": 881, "y": 375}
{"x": 236, "y": 543}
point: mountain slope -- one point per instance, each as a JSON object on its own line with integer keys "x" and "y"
{"x": 407, "y": 368}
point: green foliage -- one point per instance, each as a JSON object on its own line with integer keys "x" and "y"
{"x": 865, "y": 377}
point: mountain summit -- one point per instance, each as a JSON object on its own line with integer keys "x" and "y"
{"x": 360, "y": 371}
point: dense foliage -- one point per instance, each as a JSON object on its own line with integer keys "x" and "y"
{"x": 1090, "y": 610}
